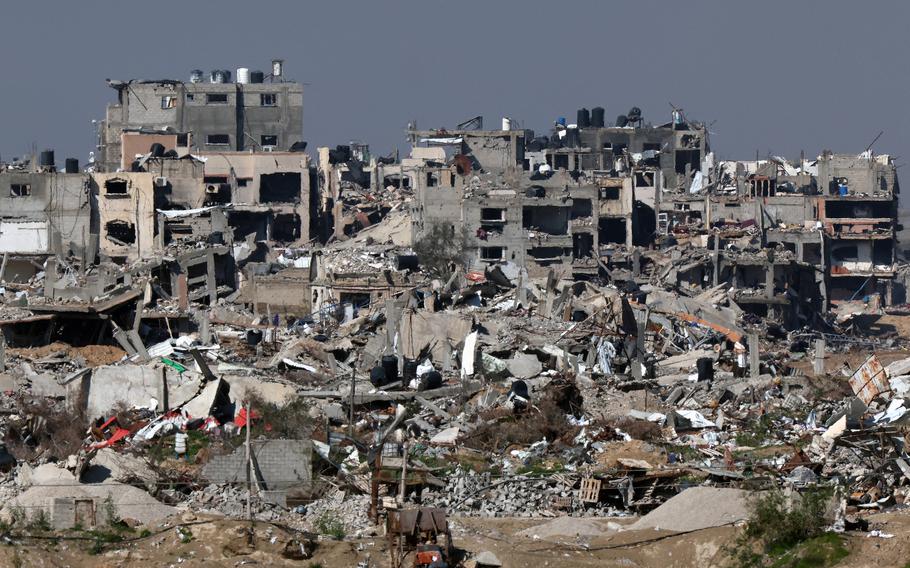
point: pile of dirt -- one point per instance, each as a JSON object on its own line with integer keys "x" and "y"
{"x": 566, "y": 527}
{"x": 697, "y": 508}
{"x": 93, "y": 355}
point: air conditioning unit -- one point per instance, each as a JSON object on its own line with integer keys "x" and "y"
{"x": 161, "y": 181}
{"x": 268, "y": 148}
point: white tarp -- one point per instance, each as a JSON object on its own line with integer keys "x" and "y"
{"x": 23, "y": 237}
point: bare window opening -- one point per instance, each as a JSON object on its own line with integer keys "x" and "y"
{"x": 268, "y": 140}
{"x": 545, "y": 254}
{"x": 561, "y": 161}
{"x": 610, "y": 193}
{"x": 546, "y": 219}
{"x": 812, "y": 253}
{"x": 216, "y": 99}
{"x": 218, "y": 139}
{"x": 846, "y": 253}
{"x": 731, "y": 204}
{"x": 644, "y": 179}
{"x": 190, "y": 97}
{"x": 432, "y": 179}
{"x": 691, "y": 158}
{"x": 611, "y": 230}
{"x": 20, "y": 189}
{"x": 286, "y": 228}
{"x": 397, "y": 181}
{"x": 243, "y": 182}
{"x": 581, "y": 208}
{"x": 183, "y": 140}
{"x": 247, "y": 222}
{"x": 268, "y": 99}
{"x": 115, "y": 187}
{"x": 650, "y": 146}
{"x": 492, "y": 253}
{"x": 762, "y": 186}
{"x": 582, "y": 245}
{"x": 492, "y": 214}
{"x": 281, "y": 187}
{"x": 121, "y": 233}
{"x": 168, "y": 102}
{"x": 217, "y": 194}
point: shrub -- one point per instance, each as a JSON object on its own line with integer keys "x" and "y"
{"x": 779, "y": 527}
{"x": 329, "y": 524}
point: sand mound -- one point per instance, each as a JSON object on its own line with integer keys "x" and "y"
{"x": 697, "y": 508}
{"x": 566, "y": 527}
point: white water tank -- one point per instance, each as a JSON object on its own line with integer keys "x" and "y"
{"x": 506, "y": 123}
{"x": 243, "y": 75}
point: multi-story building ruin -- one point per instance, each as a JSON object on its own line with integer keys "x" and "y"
{"x": 255, "y": 112}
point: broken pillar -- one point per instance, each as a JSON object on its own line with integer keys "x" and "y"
{"x": 819, "y": 363}
{"x": 753, "y": 355}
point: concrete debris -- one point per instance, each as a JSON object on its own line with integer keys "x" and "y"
{"x": 599, "y": 321}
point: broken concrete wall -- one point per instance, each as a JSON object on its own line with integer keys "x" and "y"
{"x": 45, "y": 213}
{"x": 126, "y": 214}
{"x": 278, "y": 464}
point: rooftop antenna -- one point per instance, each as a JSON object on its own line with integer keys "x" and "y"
{"x": 874, "y": 140}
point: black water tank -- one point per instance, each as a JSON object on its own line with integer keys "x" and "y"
{"x": 634, "y": 114}
{"x": 520, "y": 388}
{"x": 705, "y": 366}
{"x": 72, "y": 165}
{"x": 622, "y": 120}
{"x": 390, "y": 367}
{"x": 156, "y": 149}
{"x": 571, "y": 139}
{"x": 46, "y": 158}
{"x": 430, "y": 381}
{"x": 377, "y": 376}
{"x": 409, "y": 370}
{"x": 584, "y": 118}
{"x": 597, "y": 117}
{"x": 257, "y": 76}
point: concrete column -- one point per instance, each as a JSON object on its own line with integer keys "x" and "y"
{"x": 636, "y": 262}
{"x": 819, "y": 363}
{"x": 769, "y": 281}
{"x": 716, "y": 278}
{"x": 754, "y": 368}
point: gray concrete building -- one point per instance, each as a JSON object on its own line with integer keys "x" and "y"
{"x": 212, "y": 116}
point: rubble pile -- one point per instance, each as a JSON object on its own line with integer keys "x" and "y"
{"x": 498, "y": 325}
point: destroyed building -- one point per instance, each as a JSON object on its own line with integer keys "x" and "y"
{"x": 616, "y": 316}
{"x": 255, "y": 111}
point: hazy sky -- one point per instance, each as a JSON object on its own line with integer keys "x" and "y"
{"x": 778, "y": 76}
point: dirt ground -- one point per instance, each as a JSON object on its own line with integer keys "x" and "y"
{"x": 218, "y": 542}
{"x": 94, "y": 355}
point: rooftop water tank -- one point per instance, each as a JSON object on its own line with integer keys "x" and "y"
{"x": 597, "y": 117}
{"x": 257, "y": 77}
{"x": 243, "y": 75}
{"x": 196, "y": 76}
{"x": 216, "y": 76}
